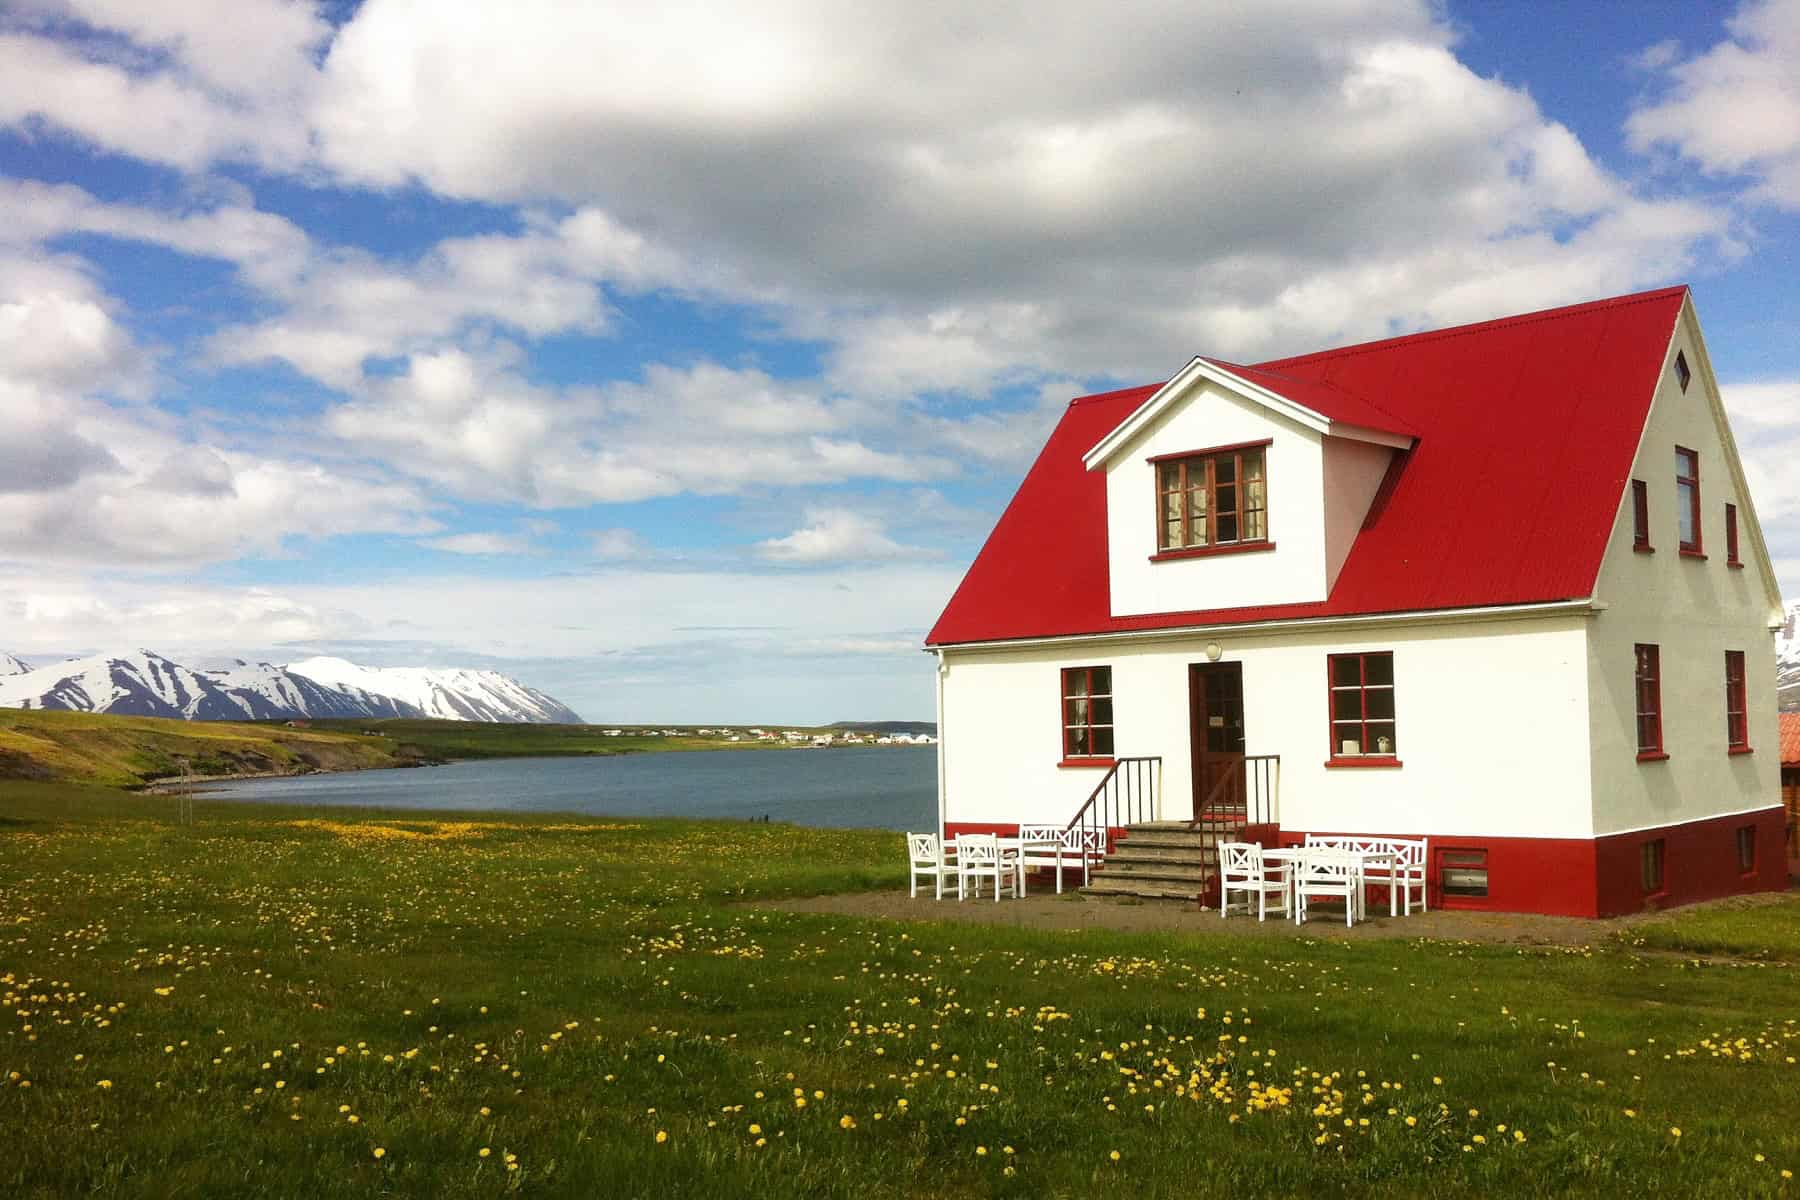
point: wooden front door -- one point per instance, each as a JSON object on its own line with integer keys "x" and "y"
{"x": 1216, "y": 732}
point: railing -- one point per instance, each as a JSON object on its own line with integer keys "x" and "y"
{"x": 1248, "y": 794}
{"x": 1130, "y": 793}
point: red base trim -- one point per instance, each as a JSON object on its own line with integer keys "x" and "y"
{"x": 1572, "y": 877}
{"x": 1603, "y": 877}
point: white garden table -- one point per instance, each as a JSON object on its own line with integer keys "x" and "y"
{"x": 1015, "y": 848}
{"x": 1294, "y": 856}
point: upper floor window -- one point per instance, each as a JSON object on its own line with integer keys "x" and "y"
{"x": 1218, "y": 498}
{"x": 1648, "y": 685}
{"x": 1737, "y": 724}
{"x": 1687, "y": 498}
{"x": 1682, "y": 374}
{"x": 1640, "y": 515}
{"x": 1731, "y": 538}
{"x": 1087, "y": 712}
{"x": 1362, "y": 705}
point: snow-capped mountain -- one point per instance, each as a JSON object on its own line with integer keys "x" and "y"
{"x": 292, "y": 695}
{"x": 11, "y": 665}
{"x": 1787, "y": 660}
{"x": 143, "y": 683}
{"x": 452, "y": 694}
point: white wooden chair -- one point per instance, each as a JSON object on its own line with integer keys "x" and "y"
{"x": 1412, "y": 871}
{"x": 930, "y": 858}
{"x": 1242, "y": 869}
{"x": 1330, "y": 874}
{"x": 978, "y": 854}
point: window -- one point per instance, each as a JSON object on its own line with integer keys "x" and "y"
{"x": 1653, "y": 866}
{"x": 1362, "y": 705}
{"x": 1682, "y": 373}
{"x": 1737, "y": 726}
{"x": 1087, "y": 712}
{"x": 1463, "y": 874}
{"x": 1214, "y": 499}
{"x": 1640, "y": 515}
{"x": 1687, "y": 498}
{"x": 1731, "y": 541}
{"x": 1746, "y": 848}
{"x": 1649, "y": 703}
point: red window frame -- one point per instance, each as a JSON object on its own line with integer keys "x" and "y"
{"x": 1731, "y": 537}
{"x": 1180, "y": 479}
{"x": 1647, "y": 685}
{"x": 1687, "y": 499}
{"x": 1640, "y": 515}
{"x": 1360, "y": 703}
{"x": 1086, "y": 738}
{"x": 1737, "y": 712}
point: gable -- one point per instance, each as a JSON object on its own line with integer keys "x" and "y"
{"x": 1526, "y": 426}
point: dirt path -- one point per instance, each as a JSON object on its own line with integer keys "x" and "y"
{"x": 1074, "y": 911}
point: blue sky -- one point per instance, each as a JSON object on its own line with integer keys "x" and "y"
{"x": 677, "y": 360}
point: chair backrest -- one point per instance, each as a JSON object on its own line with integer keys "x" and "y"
{"x": 1411, "y": 851}
{"x": 1241, "y": 859}
{"x": 923, "y": 847}
{"x": 1047, "y": 833}
{"x": 972, "y": 848}
{"x": 1327, "y": 865}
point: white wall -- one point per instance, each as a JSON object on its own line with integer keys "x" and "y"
{"x": 1693, "y": 610}
{"x": 1491, "y": 724}
{"x": 1353, "y": 474}
{"x": 1292, "y": 572}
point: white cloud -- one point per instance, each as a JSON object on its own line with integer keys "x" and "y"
{"x": 472, "y": 424}
{"x": 1735, "y": 109}
{"x": 480, "y": 543}
{"x": 618, "y": 544}
{"x": 955, "y": 205}
{"x": 835, "y": 535}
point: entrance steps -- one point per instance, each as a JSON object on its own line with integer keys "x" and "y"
{"x": 1163, "y": 860}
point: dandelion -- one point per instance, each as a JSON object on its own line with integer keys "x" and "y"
{"x": 380, "y": 1152}
{"x": 1675, "y": 1131}
{"x": 1114, "y": 1156}
{"x": 662, "y": 1135}
{"x": 105, "y": 1085}
{"x": 484, "y": 1152}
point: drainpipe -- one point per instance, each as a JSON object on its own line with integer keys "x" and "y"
{"x": 943, "y": 743}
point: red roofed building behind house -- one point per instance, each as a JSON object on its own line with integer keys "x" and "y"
{"x": 1498, "y": 589}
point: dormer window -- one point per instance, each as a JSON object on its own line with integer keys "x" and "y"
{"x": 1212, "y": 499}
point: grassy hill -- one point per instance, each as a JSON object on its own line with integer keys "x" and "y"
{"x": 133, "y": 751}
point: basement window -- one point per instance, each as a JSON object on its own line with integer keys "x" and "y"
{"x": 1652, "y": 864}
{"x": 1746, "y": 848}
{"x": 1682, "y": 374}
{"x": 1463, "y": 874}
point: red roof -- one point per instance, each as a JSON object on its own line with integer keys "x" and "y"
{"x": 1527, "y": 427}
{"x": 1790, "y": 739}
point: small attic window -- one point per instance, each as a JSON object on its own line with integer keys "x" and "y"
{"x": 1682, "y": 374}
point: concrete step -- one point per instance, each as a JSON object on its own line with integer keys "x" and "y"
{"x": 1148, "y": 889}
{"x": 1170, "y": 840}
{"x": 1194, "y": 876}
{"x": 1198, "y": 855}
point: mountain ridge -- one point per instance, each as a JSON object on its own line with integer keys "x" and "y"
{"x": 143, "y": 683}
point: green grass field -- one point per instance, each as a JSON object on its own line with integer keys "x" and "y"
{"x": 284, "y": 1002}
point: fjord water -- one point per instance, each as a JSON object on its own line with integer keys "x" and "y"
{"x": 873, "y": 787}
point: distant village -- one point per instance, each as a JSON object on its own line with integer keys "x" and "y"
{"x": 791, "y": 738}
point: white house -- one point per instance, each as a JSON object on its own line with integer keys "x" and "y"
{"x": 1500, "y": 586}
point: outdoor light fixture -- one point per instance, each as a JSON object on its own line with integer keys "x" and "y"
{"x": 1213, "y": 650}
